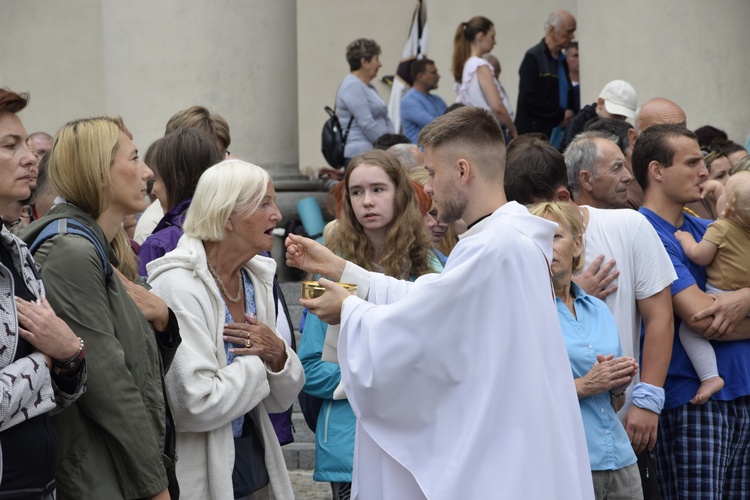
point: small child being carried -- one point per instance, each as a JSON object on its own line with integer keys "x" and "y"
{"x": 724, "y": 252}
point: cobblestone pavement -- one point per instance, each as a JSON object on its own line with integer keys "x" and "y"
{"x": 306, "y": 489}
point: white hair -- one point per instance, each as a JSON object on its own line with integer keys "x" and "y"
{"x": 582, "y": 154}
{"x": 229, "y": 187}
{"x": 406, "y": 154}
{"x": 554, "y": 19}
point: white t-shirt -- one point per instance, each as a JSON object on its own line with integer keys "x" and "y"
{"x": 148, "y": 222}
{"x": 645, "y": 269}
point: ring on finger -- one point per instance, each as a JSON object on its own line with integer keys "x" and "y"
{"x": 247, "y": 343}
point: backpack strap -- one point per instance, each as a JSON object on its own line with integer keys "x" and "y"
{"x": 72, "y": 226}
{"x": 344, "y": 136}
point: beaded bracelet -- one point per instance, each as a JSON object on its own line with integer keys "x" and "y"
{"x": 72, "y": 363}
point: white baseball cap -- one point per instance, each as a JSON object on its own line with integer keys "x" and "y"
{"x": 620, "y": 98}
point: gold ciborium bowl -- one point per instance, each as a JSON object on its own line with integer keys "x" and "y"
{"x": 313, "y": 289}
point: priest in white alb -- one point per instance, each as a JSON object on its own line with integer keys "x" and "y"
{"x": 460, "y": 381}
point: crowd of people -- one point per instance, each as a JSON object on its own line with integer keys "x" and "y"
{"x": 549, "y": 302}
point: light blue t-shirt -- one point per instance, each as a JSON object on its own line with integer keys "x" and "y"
{"x": 594, "y": 332}
{"x": 418, "y": 110}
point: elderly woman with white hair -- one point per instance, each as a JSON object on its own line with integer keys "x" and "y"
{"x": 232, "y": 367}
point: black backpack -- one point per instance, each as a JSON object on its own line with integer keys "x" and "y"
{"x": 334, "y": 138}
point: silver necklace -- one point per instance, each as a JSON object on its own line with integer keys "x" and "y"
{"x": 224, "y": 287}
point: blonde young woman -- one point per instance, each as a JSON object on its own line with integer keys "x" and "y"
{"x": 381, "y": 229}
{"x": 113, "y": 442}
{"x": 474, "y": 76}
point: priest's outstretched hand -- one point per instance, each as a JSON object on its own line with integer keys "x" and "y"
{"x": 328, "y": 306}
{"x": 312, "y": 257}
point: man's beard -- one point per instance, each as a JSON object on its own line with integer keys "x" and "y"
{"x": 452, "y": 207}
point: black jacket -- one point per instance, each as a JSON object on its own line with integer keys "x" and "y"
{"x": 538, "y": 107}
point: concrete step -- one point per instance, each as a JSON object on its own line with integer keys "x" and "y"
{"x": 292, "y": 291}
{"x": 299, "y": 455}
{"x": 302, "y": 433}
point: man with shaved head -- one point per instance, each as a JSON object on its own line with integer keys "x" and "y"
{"x": 545, "y": 93}
{"x": 657, "y": 111}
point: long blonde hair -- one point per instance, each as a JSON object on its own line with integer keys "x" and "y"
{"x": 79, "y": 171}
{"x": 406, "y": 243}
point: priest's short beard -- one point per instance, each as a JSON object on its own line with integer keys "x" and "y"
{"x": 452, "y": 205}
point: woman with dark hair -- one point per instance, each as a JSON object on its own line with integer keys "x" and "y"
{"x": 179, "y": 160}
{"x": 380, "y": 228}
{"x": 42, "y": 362}
{"x": 360, "y": 109}
{"x": 117, "y": 441}
{"x": 475, "y": 80}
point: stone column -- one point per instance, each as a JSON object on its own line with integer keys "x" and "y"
{"x": 236, "y": 57}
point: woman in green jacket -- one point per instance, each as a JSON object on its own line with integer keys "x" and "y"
{"x": 114, "y": 441}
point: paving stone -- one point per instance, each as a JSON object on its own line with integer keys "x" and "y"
{"x": 306, "y": 489}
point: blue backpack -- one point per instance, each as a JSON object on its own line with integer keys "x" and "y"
{"x": 72, "y": 226}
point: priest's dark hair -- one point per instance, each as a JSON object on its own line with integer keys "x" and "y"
{"x": 472, "y": 133}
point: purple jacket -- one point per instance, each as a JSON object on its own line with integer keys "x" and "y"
{"x": 165, "y": 236}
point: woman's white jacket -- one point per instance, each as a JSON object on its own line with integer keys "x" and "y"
{"x": 207, "y": 394}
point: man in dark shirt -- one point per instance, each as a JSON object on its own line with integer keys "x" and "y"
{"x": 545, "y": 93}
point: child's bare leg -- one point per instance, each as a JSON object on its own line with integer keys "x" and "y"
{"x": 703, "y": 358}
{"x": 708, "y": 388}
